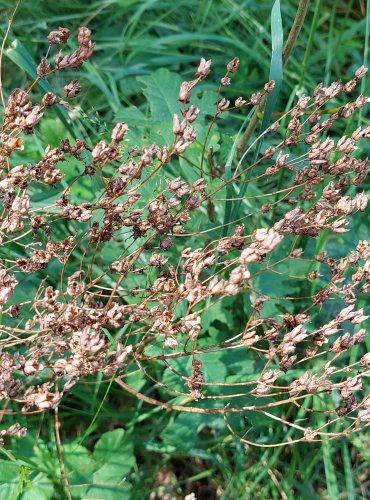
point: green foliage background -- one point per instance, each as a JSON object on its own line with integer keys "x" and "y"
{"x": 116, "y": 447}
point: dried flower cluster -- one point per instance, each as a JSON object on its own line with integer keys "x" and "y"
{"x": 120, "y": 282}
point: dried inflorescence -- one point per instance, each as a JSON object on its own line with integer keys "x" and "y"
{"x": 121, "y": 282}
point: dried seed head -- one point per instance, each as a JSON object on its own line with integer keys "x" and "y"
{"x": 84, "y": 36}
{"x": 225, "y": 81}
{"x": 361, "y": 72}
{"x": 203, "y": 68}
{"x": 49, "y": 99}
{"x": 170, "y": 342}
{"x": 43, "y": 68}
{"x": 72, "y": 89}
{"x": 119, "y": 131}
{"x": 223, "y": 105}
{"x": 177, "y": 129}
{"x": 185, "y": 92}
{"x": 333, "y": 90}
{"x": 361, "y": 101}
{"x": 233, "y": 65}
{"x": 59, "y": 36}
{"x": 256, "y": 98}
{"x": 239, "y": 102}
{"x": 269, "y": 86}
{"x": 350, "y": 85}
{"x": 191, "y": 114}
{"x": 149, "y": 282}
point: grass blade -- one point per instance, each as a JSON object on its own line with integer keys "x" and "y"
{"x": 276, "y": 74}
{"x": 350, "y": 487}
{"x": 331, "y": 479}
{"x": 276, "y": 68}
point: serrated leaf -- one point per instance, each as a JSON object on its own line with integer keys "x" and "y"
{"x": 181, "y": 432}
{"x": 109, "y": 492}
{"x": 9, "y": 479}
{"x": 218, "y": 312}
{"x": 213, "y": 368}
{"x": 39, "y": 487}
{"x": 115, "y": 449}
{"x": 78, "y": 463}
{"x": 161, "y": 90}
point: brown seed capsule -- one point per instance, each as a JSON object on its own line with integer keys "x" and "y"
{"x": 84, "y": 36}
{"x": 43, "y": 68}
{"x": 204, "y": 68}
{"x": 72, "y": 89}
{"x": 59, "y": 36}
{"x": 233, "y": 65}
{"x": 223, "y": 105}
{"x": 269, "y": 86}
{"x": 119, "y": 131}
{"x": 361, "y": 72}
{"x": 239, "y": 102}
{"x": 225, "y": 81}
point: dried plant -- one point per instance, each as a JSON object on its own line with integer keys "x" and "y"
{"x": 117, "y": 282}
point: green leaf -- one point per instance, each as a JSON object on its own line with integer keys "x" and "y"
{"x": 39, "y": 487}
{"x": 9, "y": 479}
{"x": 218, "y": 312}
{"x": 114, "y": 451}
{"x": 131, "y": 115}
{"x": 96, "y": 79}
{"x": 213, "y": 368}
{"x": 161, "y": 90}
{"x": 51, "y": 131}
{"x": 276, "y": 74}
{"x": 181, "y": 432}
{"x": 22, "y": 58}
{"x": 348, "y": 471}
{"x": 78, "y": 463}
{"x": 109, "y": 492}
{"x": 331, "y": 479}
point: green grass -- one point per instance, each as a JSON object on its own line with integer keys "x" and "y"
{"x": 172, "y": 452}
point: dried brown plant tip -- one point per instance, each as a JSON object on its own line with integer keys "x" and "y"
{"x": 59, "y": 36}
{"x": 140, "y": 260}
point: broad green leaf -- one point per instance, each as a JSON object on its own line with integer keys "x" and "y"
{"x": 109, "y": 492}
{"x": 78, "y": 463}
{"x": 181, "y": 432}
{"x": 10, "y": 480}
{"x": 213, "y": 368}
{"x": 39, "y": 487}
{"x": 114, "y": 451}
{"x": 161, "y": 90}
{"x": 216, "y": 311}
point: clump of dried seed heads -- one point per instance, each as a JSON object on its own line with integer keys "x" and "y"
{"x": 118, "y": 282}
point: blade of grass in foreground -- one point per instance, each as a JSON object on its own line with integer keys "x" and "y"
{"x": 331, "y": 479}
{"x": 276, "y": 74}
{"x": 348, "y": 474}
{"x": 276, "y": 69}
